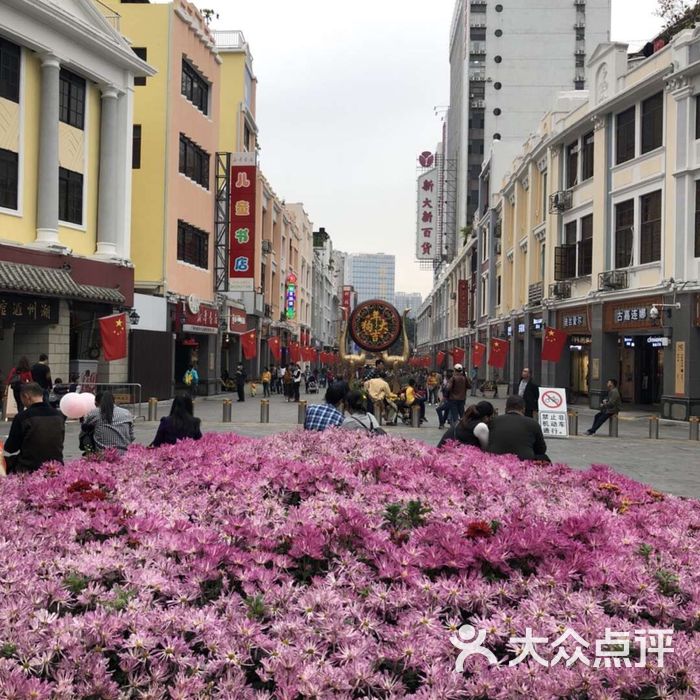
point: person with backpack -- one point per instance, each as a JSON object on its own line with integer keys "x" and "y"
{"x": 19, "y": 375}
{"x": 191, "y": 380}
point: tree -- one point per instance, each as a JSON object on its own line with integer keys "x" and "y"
{"x": 678, "y": 14}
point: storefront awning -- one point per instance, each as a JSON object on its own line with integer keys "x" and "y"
{"x": 50, "y": 281}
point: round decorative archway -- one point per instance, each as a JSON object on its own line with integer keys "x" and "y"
{"x": 375, "y": 325}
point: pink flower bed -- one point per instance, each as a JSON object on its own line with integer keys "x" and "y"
{"x": 335, "y": 566}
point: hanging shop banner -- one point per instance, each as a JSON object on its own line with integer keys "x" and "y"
{"x": 200, "y": 318}
{"x": 242, "y": 215}
{"x": 347, "y": 298}
{"x": 552, "y": 413}
{"x": 427, "y": 216}
{"x": 291, "y": 297}
{"x": 237, "y": 320}
{"x": 463, "y": 304}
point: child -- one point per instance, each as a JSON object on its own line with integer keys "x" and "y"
{"x": 253, "y": 389}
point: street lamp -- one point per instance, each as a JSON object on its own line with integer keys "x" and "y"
{"x": 134, "y": 317}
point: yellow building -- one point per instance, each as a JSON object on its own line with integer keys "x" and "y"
{"x": 66, "y": 92}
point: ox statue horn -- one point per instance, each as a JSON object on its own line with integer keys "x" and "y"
{"x": 353, "y": 361}
{"x": 396, "y": 361}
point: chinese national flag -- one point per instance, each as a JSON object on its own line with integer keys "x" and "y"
{"x": 274, "y": 345}
{"x": 499, "y": 353}
{"x": 294, "y": 352}
{"x": 458, "y": 356}
{"x": 113, "y": 334}
{"x": 440, "y": 358}
{"x": 249, "y": 345}
{"x": 553, "y": 343}
{"x": 478, "y": 355}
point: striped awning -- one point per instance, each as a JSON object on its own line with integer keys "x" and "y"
{"x": 51, "y": 281}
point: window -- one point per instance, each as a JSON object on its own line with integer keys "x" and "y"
{"x": 565, "y": 255}
{"x": 624, "y": 222}
{"x": 652, "y": 123}
{"x": 697, "y": 117}
{"x": 697, "y": 218}
{"x": 192, "y": 245}
{"x": 545, "y": 201}
{"x": 136, "y": 147}
{"x": 580, "y": 60}
{"x": 8, "y": 179}
{"x": 624, "y": 136}
{"x": 142, "y": 53}
{"x": 477, "y": 34}
{"x": 498, "y": 290}
{"x": 70, "y": 196}
{"x": 9, "y": 70}
{"x": 588, "y": 153}
{"x": 72, "y": 99}
{"x": 579, "y": 84}
{"x": 572, "y": 165}
{"x": 194, "y": 162}
{"x": 650, "y": 228}
{"x": 580, "y": 33}
{"x": 195, "y": 88}
{"x": 484, "y": 287}
{"x": 585, "y": 247}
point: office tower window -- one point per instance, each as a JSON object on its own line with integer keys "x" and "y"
{"x": 624, "y": 232}
{"x": 8, "y": 179}
{"x": 70, "y": 196}
{"x": 624, "y": 135}
{"x": 72, "y": 99}
{"x": 650, "y": 228}
{"x": 195, "y": 87}
{"x": 653, "y": 122}
{"x": 9, "y": 70}
{"x": 192, "y": 245}
{"x": 585, "y": 247}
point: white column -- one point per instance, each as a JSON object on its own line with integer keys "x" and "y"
{"x": 108, "y": 190}
{"x": 47, "y": 180}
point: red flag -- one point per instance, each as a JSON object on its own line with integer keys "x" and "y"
{"x": 458, "y": 356}
{"x": 274, "y": 345}
{"x": 440, "y": 359}
{"x": 478, "y": 355}
{"x": 249, "y": 344}
{"x": 499, "y": 353}
{"x": 294, "y": 352}
{"x": 113, "y": 334}
{"x": 553, "y": 344}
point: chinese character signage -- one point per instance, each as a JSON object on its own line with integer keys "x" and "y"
{"x": 347, "y": 298}
{"x": 426, "y": 226}
{"x": 631, "y": 315}
{"x": 552, "y": 413}
{"x": 28, "y": 309}
{"x": 462, "y": 304}
{"x": 206, "y": 320}
{"x": 291, "y": 296}
{"x": 237, "y": 320}
{"x": 242, "y": 237}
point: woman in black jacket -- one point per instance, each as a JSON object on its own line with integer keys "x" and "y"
{"x": 179, "y": 425}
{"x": 473, "y": 427}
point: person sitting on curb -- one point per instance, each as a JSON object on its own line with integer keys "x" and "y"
{"x": 609, "y": 408}
{"x": 179, "y": 425}
{"x": 516, "y": 434}
{"x": 320, "y": 416}
{"x": 473, "y": 427}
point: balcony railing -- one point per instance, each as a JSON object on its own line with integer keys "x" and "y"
{"x": 535, "y": 294}
{"x": 230, "y": 39}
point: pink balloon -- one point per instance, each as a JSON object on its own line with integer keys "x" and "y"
{"x": 88, "y": 400}
{"x": 72, "y": 406}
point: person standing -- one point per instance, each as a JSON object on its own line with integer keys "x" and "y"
{"x": 516, "y": 434}
{"x": 287, "y": 381}
{"x": 111, "y": 426}
{"x": 191, "y": 380}
{"x": 179, "y": 425}
{"x": 473, "y": 428}
{"x": 528, "y": 391}
{"x": 296, "y": 382}
{"x": 433, "y": 385}
{"x": 266, "y": 378}
{"x": 473, "y": 376}
{"x": 41, "y": 374}
{"x": 457, "y": 394}
{"x": 37, "y": 433}
{"x": 240, "y": 378}
{"x": 19, "y": 375}
{"x": 609, "y": 408}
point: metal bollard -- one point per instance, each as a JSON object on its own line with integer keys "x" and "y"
{"x": 226, "y": 417}
{"x": 495, "y": 411}
{"x": 694, "y": 428}
{"x": 613, "y": 426}
{"x": 152, "y": 409}
{"x": 301, "y": 413}
{"x": 573, "y": 423}
{"x": 415, "y": 416}
{"x": 653, "y": 427}
{"x": 379, "y": 412}
{"x": 264, "y": 411}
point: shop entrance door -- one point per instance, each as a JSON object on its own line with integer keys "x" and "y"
{"x": 650, "y": 373}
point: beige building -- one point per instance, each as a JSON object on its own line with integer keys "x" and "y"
{"x": 594, "y": 231}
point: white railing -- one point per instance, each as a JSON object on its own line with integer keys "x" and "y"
{"x": 230, "y": 39}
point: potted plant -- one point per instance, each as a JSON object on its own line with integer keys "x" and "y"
{"x": 488, "y": 389}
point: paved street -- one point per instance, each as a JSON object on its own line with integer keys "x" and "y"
{"x": 671, "y": 464}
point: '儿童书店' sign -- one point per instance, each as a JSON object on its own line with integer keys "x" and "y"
{"x": 242, "y": 213}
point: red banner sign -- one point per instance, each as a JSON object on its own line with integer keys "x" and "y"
{"x": 242, "y": 237}
{"x": 347, "y": 298}
{"x": 206, "y": 320}
{"x": 463, "y": 304}
{"x": 236, "y": 321}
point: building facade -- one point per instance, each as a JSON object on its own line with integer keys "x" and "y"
{"x": 372, "y": 275}
{"x": 408, "y": 300}
{"x": 594, "y": 232}
{"x": 66, "y": 99}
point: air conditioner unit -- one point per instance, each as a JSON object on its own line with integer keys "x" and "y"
{"x": 560, "y": 290}
{"x": 498, "y": 248}
{"x": 266, "y": 246}
{"x": 613, "y": 279}
{"x": 560, "y": 201}
{"x": 580, "y": 25}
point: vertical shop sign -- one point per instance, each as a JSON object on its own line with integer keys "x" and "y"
{"x": 242, "y": 215}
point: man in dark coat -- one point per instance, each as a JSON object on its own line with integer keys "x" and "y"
{"x": 37, "y": 433}
{"x": 516, "y": 434}
{"x": 528, "y": 391}
{"x": 240, "y": 379}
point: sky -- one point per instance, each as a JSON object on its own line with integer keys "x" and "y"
{"x": 348, "y": 95}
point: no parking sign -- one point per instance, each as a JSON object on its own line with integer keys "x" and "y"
{"x": 552, "y": 412}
